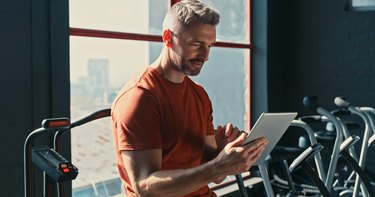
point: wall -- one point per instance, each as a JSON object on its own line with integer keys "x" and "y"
{"x": 259, "y": 62}
{"x": 34, "y": 51}
{"x": 318, "y": 47}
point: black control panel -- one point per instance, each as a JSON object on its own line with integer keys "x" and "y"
{"x": 55, "y": 165}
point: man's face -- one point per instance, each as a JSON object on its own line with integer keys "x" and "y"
{"x": 191, "y": 48}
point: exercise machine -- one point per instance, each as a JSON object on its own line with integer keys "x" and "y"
{"x": 56, "y": 169}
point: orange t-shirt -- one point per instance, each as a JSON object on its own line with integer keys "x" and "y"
{"x": 151, "y": 112}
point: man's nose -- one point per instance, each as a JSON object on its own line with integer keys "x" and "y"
{"x": 204, "y": 53}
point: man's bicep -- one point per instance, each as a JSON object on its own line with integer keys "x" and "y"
{"x": 137, "y": 121}
{"x": 140, "y": 164}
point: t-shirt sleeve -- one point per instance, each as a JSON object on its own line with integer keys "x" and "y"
{"x": 210, "y": 125}
{"x": 136, "y": 120}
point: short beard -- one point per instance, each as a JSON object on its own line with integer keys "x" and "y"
{"x": 183, "y": 67}
{"x": 187, "y": 71}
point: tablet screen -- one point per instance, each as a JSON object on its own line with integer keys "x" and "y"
{"x": 272, "y": 126}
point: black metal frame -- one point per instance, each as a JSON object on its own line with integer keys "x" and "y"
{"x": 59, "y": 131}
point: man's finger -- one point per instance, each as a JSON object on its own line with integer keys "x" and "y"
{"x": 238, "y": 141}
{"x": 228, "y": 129}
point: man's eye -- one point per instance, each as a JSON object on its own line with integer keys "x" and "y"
{"x": 196, "y": 44}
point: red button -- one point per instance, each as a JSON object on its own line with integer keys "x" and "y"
{"x": 66, "y": 170}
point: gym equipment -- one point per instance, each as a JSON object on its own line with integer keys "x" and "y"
{"x": 49, "y": 159}
{"x": 55, "y": 165}
{"x": 370, "y": 112}
{"x": 302, "y": 161}
{"x": 341, "y": 102}
{"x": 341, "y": 148}
{"x": 310, "y": 102}
{"x": 348, "y": 143}
{"x": 58, "y": 134}
{"x": 289, "y": 184}
{"x": 320, "y": 174}
{"x": 344, "y": 148}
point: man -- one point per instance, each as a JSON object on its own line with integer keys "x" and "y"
{"x": 164, "y": 137}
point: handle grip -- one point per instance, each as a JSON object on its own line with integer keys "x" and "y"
{"x": 310, "y": 102}
{"x": 341, "y": 102}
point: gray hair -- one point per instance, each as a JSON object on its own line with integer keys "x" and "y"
{"x": 187, "y": 12}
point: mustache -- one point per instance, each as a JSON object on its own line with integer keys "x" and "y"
{"x": 198, "y": 60}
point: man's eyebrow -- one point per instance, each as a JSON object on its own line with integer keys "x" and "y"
{"x": 202, "y": 42}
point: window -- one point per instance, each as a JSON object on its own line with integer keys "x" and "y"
{"x": 362, "y": 5}
{"x": 110, "y": 42}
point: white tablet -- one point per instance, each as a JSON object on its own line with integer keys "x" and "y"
{"x": 272, "y": 126}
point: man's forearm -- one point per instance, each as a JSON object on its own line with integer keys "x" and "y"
{"x": 177, "y": 182}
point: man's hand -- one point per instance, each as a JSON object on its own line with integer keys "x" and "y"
{"x": 225, "y": 135}
{"x": 236, "y": 158}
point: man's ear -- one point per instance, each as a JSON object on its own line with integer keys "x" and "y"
{"x": 167, "y": 38}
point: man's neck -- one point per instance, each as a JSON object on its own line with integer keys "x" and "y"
{"x": 167, "y": 69}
